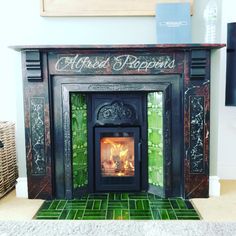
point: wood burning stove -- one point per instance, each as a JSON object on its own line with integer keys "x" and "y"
{"x": 117, "y": 123}
{"x": 117, "y": 118}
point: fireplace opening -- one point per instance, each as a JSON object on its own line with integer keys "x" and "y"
{"x": 118, "y": 159}
{"x": 117, "y": 156}
{"x": 118, "y": 141}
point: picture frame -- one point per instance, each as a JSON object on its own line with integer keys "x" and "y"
{"x": 102, "y": 7}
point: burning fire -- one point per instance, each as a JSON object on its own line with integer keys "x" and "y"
{"x": 117, "y": 156}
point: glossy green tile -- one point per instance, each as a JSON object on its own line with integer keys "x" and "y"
{"x": 172, "y": 214}
{"x": 97, "y": 204}
{"x": 71, "y": 215}
{"x": 117, "y": 205}
{"x": 174, "y": 204}
{"x": 164, "y": 215}
{"x": 46, "y": 205}
{"x": 139, "y": 204}
{"x": 146, "y": 205}
{"x": 79, "y": 214}
{"x": 140, "y": 213}
{"x": 136, "y": 206}
{"x": 132, "y": 204}
{"x": 61, "y": 205}
{"x": 155, "y": 139}
{"x": 156, "y": 215}
{"x": 97, "y": 196}
{"x": 64, "y": 214}
{"x": 89, "y": 204}
{"x": 79, "y": 139}
{"x": 117, "y": 214}
{"x": 104, "y": 205}
{"x": 94, "y": 213}
{"x": 181, "y": 203}
{"x": 109, "y": 215}
{"x": 54, "y": 204}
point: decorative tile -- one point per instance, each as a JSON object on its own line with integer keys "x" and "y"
{"x": 118, "y": 206}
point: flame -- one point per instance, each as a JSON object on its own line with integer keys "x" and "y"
{"x": 117, "y": 156}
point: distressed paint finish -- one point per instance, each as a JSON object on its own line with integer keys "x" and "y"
{"x": 39, "y": 179}
{"x": 196, "y": 179}
{"x": 195, "y": 184}
{"x": 37, "y": 135}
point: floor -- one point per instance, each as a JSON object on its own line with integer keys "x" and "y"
{"x": 221, "y": 208}
{"x": 116, "y": 206}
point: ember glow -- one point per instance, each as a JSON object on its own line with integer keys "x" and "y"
{"x": 117, "y": 156}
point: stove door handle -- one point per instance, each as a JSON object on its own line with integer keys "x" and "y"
{"x": 139, "y": 151}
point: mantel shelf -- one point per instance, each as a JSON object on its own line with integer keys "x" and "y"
{"x": 116, "y": 46}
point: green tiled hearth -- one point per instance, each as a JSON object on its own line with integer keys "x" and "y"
{"x": 125, "y": 206}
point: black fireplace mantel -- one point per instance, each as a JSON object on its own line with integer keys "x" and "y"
{"x": 107, "y": 68}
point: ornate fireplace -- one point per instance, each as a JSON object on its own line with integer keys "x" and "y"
{"x": 117, "y": 118}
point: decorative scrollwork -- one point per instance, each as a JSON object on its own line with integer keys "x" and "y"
{"x": 116, "y": 113}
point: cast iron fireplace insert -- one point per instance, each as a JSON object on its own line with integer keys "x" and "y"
{"x": 117, "y": 122}
{"x": 60, "y": 83}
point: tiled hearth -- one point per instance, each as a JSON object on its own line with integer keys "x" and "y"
{"x": 125, "y": 206}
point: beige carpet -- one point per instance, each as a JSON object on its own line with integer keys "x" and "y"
{"x": 13, "y": 208}
{"x": 221, "y": 208}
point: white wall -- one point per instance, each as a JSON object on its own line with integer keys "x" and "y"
{"x": 21, "y": 24}
{"x": 227, "y": 115}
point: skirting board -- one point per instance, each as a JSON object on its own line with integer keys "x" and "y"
{"x": 214, "y": 186}
{"x": 22, "y": 188}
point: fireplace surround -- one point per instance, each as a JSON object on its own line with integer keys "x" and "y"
{"x": 116, "y": 86}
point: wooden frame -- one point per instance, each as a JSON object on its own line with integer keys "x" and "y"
{"x": 102, "y": 7}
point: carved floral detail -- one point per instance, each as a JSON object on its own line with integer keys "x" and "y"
{"x": 115, "y": 112}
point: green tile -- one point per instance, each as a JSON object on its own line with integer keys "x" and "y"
{"x": 181, "y": 203}
{"x": 117, "y": 196}
{"x": 97, "y": 204}
{"x": 117, "y": 205}
{"x": 79, "y": 214}
{"x": 156, "y": 215}
{"x": 111, "y": 196}
{"x": 136, "y": 206}
{"x": 103, "y": 205}
{"x": 118, "y": 214}
{"x": 97, "y": 196}
{"x": 94, "y": 213}
{"x": 138, "y": 196}
{"x": 46, "y": 205}
{"x": 140, "y": 213}
{"x": 64, "y": 214}
{"x": 140, "y": 217}
{"x": 61, "y": 204}
{"x": 89, "y": 204}
{"x": 109, "y": 215}
{"x": 124, "y": 196}
{"x": 164, "y": 215}
{"x": 93, "y": 218}
{"x": 71, "y": 215}
{"x": 174, "y": 204}
{"x": 172, "y": 215}
{"x": 139, "y": 205}
{"x": 146, "y": 205}
{"x": 125, "y": 214}
{"x": 132, "y": 204}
